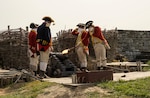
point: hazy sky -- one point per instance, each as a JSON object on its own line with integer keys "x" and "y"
{"x": 123, "y": 14}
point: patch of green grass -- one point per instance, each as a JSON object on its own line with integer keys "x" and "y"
{"x": 139, "y": 88}
{"x": 28, "y": 90}
{"x": 148, "y": 62}
{"x": 148, "y": 67}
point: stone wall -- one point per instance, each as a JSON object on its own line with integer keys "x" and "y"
{"x": 129, "y": 43}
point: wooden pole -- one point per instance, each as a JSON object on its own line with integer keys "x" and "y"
{"x": 8, "y": 27}
{"x": 27, "y": 29}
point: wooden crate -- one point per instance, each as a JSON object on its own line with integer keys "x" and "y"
{"x": 94, "y": 76}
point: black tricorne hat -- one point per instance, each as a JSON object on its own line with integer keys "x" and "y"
{"x": 89, "y": 23}
{"x": 47, "y": 18}
{"x": 33, "y": 25}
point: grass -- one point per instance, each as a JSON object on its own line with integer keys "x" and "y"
{"x": 27, "y": 90}
{"x": 139, "y": 88}
{"x": 147, "y": 68}
{"x": 148, "y": 62}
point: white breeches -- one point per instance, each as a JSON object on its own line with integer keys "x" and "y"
{"x": 81, "y": 56}
{"x": 43, "y": 66}
{"x": 100, "y": 53}
{"x": 44, "y": 57}
{"x": 34, "y": 63}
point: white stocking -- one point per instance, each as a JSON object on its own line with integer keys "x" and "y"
{"x": 43, "y": 66}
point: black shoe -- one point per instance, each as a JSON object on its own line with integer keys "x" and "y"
{"x": 35, "y": 73}
{"x": 98, "y": 68}
{"x": 84, "y": 69}
{"x": 106, "y": 68}
{"x": 41, "y": 74}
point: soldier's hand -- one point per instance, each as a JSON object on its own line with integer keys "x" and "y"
{"x": 86, "y": 50}
{"x": 107, "y": 46}
{"x": 51, "y": 48}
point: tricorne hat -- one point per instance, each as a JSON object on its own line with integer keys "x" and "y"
{"x": 33, "y": 25}
{"x": 47, "y": 18}
{"x": 81, "y": 25}
{"x": 89, "y": 23}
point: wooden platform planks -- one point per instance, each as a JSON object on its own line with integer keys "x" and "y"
{"x": 8, "y": 77}
{"x": 131, "y": 66}
{"x": 126, "y": 64}
{"x": 94, "y": 76}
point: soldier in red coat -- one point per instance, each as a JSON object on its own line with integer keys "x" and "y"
{"x": 33, "y": 49}
{"x": 82, "y": 45}
{"x": 99, "y": 43}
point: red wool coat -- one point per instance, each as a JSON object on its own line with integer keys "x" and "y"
{"x": 32, "y": 41}
{"x": 98, "y": 33}
{"x": 84, "y": 37}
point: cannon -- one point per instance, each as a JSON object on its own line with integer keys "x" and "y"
{"x": 60, "y": 65}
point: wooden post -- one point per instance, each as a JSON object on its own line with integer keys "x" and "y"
{"x": 8, "y": 27}
{"x": 120, "y": 66}
{"x": 139, "y": 67}
{"x": 74, "y": 78}
{"x": 27, "y": 29}
{"x": 126, "y": 67}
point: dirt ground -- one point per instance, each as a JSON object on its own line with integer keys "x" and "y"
{"x": 2, "y": 92}
{"x": 65, "y": 91}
